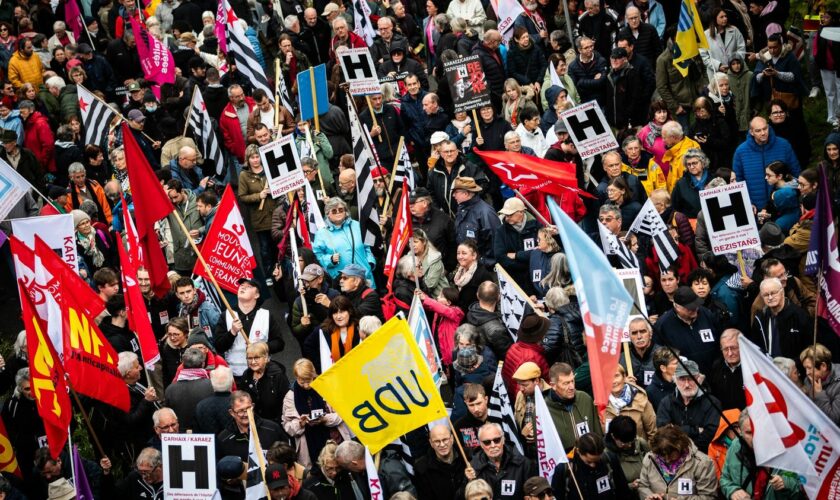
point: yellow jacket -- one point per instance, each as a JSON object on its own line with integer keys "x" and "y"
{"x": 25, "y": 70}
{"x": 655, "y": 178}
{"x": 674, "y": 157}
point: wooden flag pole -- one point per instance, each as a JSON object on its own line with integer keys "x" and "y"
{"x": 533, "y": 210}
{"x": 260, "y": 457}
{"x": 208, "y": 271}
{"x": 372, "y": 116}
{"x": 627, "y": 361}
{"x": 314, "y": 99}
{"x": 277, "y": 77}
{"x": 262, "y": 201}
{"x": 388, "y": 201}
{"x": 458, "y": 442}
{"x": 475, "y": 124}
{"x": 315, "y": 157}
{"x": 500, "y": 269}
{"x": 816, "y": 318}
{"x": 292, "y": 236}
{"x": 86, "y": 418}
{"x": 187, "y": 124}
{"x": 741, "y": 264}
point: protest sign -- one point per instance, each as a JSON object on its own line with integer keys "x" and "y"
{"x": 13, "y": 187}
{"x": 632, "y": 281}
{"x": 282, "y": 166}
{"x": 359, "y": 71}
{"x": 189, "y": 465}
{"x": 589, "y": 129}
{"x": 382, "y": 388}
{"x": 468, "y": 83}
{"x": 57, "y": 231}
{"x": 729, "y": 219}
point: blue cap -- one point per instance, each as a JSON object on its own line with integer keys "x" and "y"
{"x": 353, "y": 270}
{"x": 230, "y": 467}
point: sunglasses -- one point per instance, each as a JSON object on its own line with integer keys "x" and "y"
{"x": 488, "y": 442}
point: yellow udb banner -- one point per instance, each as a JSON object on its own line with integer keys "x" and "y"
{"x": 382, "y": 388}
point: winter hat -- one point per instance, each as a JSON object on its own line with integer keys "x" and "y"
{"x": 197, "y": 336}
{"x": 79, "y": 217}
{"x": 466, "y": 360}
{"x": 771, "y": 235}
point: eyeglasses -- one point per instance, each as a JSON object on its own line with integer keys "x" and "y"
{"x": 241, "y": 412}
{"x": 771, "y": 294}
{"x": 337, "y": 211}
{"x": 730, "y": 349}
{"x": 495, "y": 440}
{"x": 146, "y": 473}
{"x": 606, "y": 219}
{"x": 168, "y": 427}
{"x": 254, "y": 358}
{"x": 441, "y": 442}
{"x": 307, "y": 172}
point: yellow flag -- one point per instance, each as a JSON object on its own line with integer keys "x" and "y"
{"x": 382, "y": 388}
{"x": 690, "y": 37}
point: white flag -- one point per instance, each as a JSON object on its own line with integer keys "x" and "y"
{"x": 313, "y": 213}
{"x": 373, "y": 477}
{"x": 555, "y": 78}
{"x": 550, "y": 450}
{"x": 506, "y": 12}
{"x": 789, "y": 431}
{"x": 255, "y": 487}
{"x": 614, "y": 246}
{"x": 325, "y": 353}
{"x": 13, "y": 187}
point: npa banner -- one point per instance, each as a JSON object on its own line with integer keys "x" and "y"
{"x": 382, "y": 388}
{"x": 589, "y": 129}
{"x": 155, "y": 59}
{"x": 57, "y": 231}
{"x": 282, "y": 166}
{"x": 468, "y": 83}
{"x": 8, "y": 460}
{"x": 189, "y": 465}
{"x": 729, "y": 218}
{"x": 226, "y": 247}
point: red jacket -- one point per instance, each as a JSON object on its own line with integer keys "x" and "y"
{"x": 38, "y": 138}
{"x": 232, "y": 132}
{"x": 356, "y": 42}
{"x": 520, "y": 353}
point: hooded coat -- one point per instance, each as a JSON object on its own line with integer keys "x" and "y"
{"x": 750, "y": 160}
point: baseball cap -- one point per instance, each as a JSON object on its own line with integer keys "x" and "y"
{"x": 84, "y": 48}
{"x": 418, "y": 193}
{"x": 687, "y": 367}
{"x": 134, "y": 86}
{"x": 276, "y": 477}
{"x": 438, "y": 137}
{"x": 136, "y": 115}
{"x": 311, "y": 272}
{"x": 353, "y": 270}
{"x": 329, "y": 9}
{"x": 251, "y": 281}
{"x": 511, "y": 206}
{"x": 536, "y": 486}
{"x": 686, "y": 297}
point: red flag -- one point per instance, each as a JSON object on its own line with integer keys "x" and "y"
{"x": 400, "y": 236}
{"x": 226, "y": 248}
{"x": 47, "y": 379}
{"x": 149, "y": 208}
{"x": 8, "y": 461}
{"x": 302, "y": 228}
{"x": 294, "y": 209}
{"x": 135, "y": 307}
{"x": 89, "y": 359}
{"x": 132, "y": 240}
{"x": 49, "y": 209}
{"x": 528, "y": 173}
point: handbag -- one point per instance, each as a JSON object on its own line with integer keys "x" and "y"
{"x": 569, "y": 355}
{"x": 790, "y": 99}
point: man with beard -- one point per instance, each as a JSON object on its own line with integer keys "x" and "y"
{"x": 347, "y": 191}
{"x": 317, "y": 294}
{"x": 194, "y": 305}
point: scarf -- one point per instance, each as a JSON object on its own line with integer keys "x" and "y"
{"x": 75, "y": 200}
{"x": 459, "y": 125}
{"x": 193, "y": 374}
{"x": 336, "y": 348}
{"x": 699, "y": 184}
{"x": 88, "y": 244}
{"x": 667, "y": 470}
{"x": 464, "y": 275}
{"x": 307, "y": 400}
{"x": 623, "y": 399}
{"x": 655, "y": 132}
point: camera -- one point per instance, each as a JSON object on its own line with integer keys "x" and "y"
{"x": 316, "y": 414}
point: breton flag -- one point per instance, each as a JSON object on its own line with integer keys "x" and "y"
{"x": 690, "y": 37}
{"x": 404, "y": 173}
{"x": 604, "y": 302}
{"x": 314, "y": 219}
{"x": 96, "y": 116}
{"x": 789, "y": 431}
{"x": 650, "y": 223}
{"x": 368, "y": 216}
{"x": 614, "y": 246}
{"x": 513, "y": 303}
{"x": 204, "y": 133}
{"x": 361, "y": 21}
{"x": 550, "y": 448}
{"x": 283, "y": 91}
{"x": 399, "y": 237}
{"x": 246, "y": 58}
{"x": 419, "y": 324}
{"x": 255, "y": 485}
{"x": 500, "y": 411}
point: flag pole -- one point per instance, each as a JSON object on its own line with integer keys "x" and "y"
{"x": 84, "y": 25}
{"x": 86, "y": 418}
{"x": 192, "y": 99}
{"x": 571, "y": 470}
{"x": 513, "y": 282}
{"x": 72, "y": 457}
{"x": 816, "y": 318}
{"x": 741, "y": 264}
{"x": 293, "y": 241}
{"x": 627, "y": 361}
{"x": 458, "y": 442}
{"x": 372, "y": 115}
{"x": 388, "y": 201}
{"x": 260, "y": 457}
{"x": 533, "y": 210}
{"x": 277, "y": 93}
{"x": 315, "y": 100}
{"x": 475, "y": 124}
{"x": 116, "y": 112}
{"x": 208, "y": 271}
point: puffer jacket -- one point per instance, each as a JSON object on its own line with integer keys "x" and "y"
{"x": 25, "y": 70}
{"x": 583, "y": 74}
{"x": 518, "y": 354}
{"x": 250, "y": 186}
{"x": 674, "y": 158}
{"x": 557, "y": 340}
{"x": 476, "y": 220}
{"x": 739, "y": 474}
{"x": 439, "y": 182}
{"x": 345, "y": 240}
{"x": 38, "y": 138}
{"x": 492, "y": 328}
{"x": 571, "y": 314}
{"x": 786, "y": 201}
{"x": 639, "y": 409}
{"x": 750, "y": 160}
{"x": 697, "y": 471}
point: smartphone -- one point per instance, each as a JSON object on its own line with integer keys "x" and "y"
{"x": 316, "y": 414}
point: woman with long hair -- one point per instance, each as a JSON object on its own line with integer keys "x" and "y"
{"x": 674, "y": 456}
{"x": 725, "y": 42}
{"x": 340, "y": 331}
{"x": 514, "y": 101}
{"x": 651, "y": 134}
{"x": 469, "y": 274}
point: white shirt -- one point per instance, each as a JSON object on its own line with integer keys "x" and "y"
{"x": 534, "y": 140}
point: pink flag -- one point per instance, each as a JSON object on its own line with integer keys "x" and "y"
{"x": 155, "y": 59}
{"x": 74, "y": 18}
{"x": 223, "y": 14}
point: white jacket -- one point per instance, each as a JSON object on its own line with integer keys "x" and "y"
{"x": 534, "y": 140}
{"x": 721, "y": 51}
{"x": 470, "y": 11}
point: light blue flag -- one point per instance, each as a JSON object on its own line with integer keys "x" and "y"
{"x": 305, "y": 90}
{"x": 604, "y": 302}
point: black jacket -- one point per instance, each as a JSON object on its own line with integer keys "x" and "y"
{"x": 440, "y": 231}
{"x": 583, "y": 74}
{"x": 211, "y": 414}
{"x": 506, "y": 240}
{"x": 602, "y": 28}
{"x": 184, "y": 395}
{"x": 513, "y": 472}
{"x": 648, "y": 44}
{"x": 699, "y": 419}
{"x": 268, "y": 391}
{"x": 624, "y": 107}
{"x": 476, "y": 220}
{"x": 438, "y": 480}
{"x": 590, "y": 480}
{"x": 494, "y": 71}
{"x": 381, "y": 51}
{"x": 528, "y": 65}
{"x": 366, "y": 302}
{"x": 727, "y": 385}
{"x": 467, "y": 294}
{"x": 124, "y": 60}
{"x": 392, "y": 128}
{"x": 698, "y": 341}
{"x": 439, "y": 182}
{"x": 223, "y": 340}
{"x": 232, "y": 442}
{"x": 792, "y": 327}
{"x": 659, "y": 389}
{"x": 492, "y": 329}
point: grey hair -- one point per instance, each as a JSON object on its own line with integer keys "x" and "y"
{"x": 556, "y": 298}
{"x": 729, "y": 334}
{"x": 713, "y": 84}
{"x": 334, "y": 202}
{"x": 64, "y": 132}
{"x": 193, "y": 358}
{"x": 369, "y": 324}
{"x": 20, "y": 345}
{"x": 405, "y": 266}
{"x": 471, "y": 334}
{"x": 59, "y": 25}
{"x": 126, "y": 362}
{"x": 26, "y": 103}
{"x": 672, "y": 129}
{"x": 558, "y": 274}
{"x": 478, "y": 487}
{"x": 609, "y": 207}
{"x": 21, "y": 376}
{"x": 556, "y": 36}
{"x": 338, "y": 20}
{"x": 207, "y": 14}
{"x": 234, "y": 87}
{"x": 89, "y": 207}
{"x": 745, "y": 413}
{"x": 488, "y": 426}
{"x": 150, "y": 457}
{"x": 785, "y": 365}
{"x": 630, "y": 139}
{"x": 457, "y": 24}
{"x": 510, "y": 135}
{"x": 579, "y": 40}
{"x": 75, "y": 168}
{"x": 159, "y": 413}
{"x": 221, "y": 378}
{"x": 698, "y": 154}
{"x": 55, "y": 82}
{"x": 630, "y": 8}
{"x": 441, "y": 20}
{"x": 770, "y": 281}
{"x": 119, "y": 150}
{"x": 290, "y": 21}
{"x": 348, "y": 451}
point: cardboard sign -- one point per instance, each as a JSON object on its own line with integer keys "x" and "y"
{"x": 729, "y": 218}
{"x": 632, "y": 281}
{"x": 359, "y": 71}
{"x": 189, "y": 465}
{"x": 282, "y": 166}
{"x": 468, "y": 83}
{"x": 57, "y": 231}
{"x": 589, "y": 129}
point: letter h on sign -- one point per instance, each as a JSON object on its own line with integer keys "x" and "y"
{"x": 579, "y": 126}
{"x": 274, "y": 162}
{"x": 736, "y": 208}
{"x": 199, "y": 465}
{"x": 357, "y": 66}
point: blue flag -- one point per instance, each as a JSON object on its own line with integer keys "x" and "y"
{"x": 604, "y": 302}
{"x": 305, "y": 90}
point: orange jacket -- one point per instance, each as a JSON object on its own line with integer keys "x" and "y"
{"x": 98, "y": 193}
{"x": 718, "y": 448}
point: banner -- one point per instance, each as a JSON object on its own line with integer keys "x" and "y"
{"x": 382, "y": 388}
{"x": 589, "y": 129}
{"x": 531, "y": 174}
{"x": 156, "y": 61}
{"x": 189, "y": 465}
{"x": 822, "y": 256}
{"x": 729, "y": 218}
{"x": 83, "y": 491}
{"x": 57, "y": 231}
{"x": 374, "y": 484}
{"x": 690, "y": 37}
{"x": 399, "y": 237}
{"x": 789, "y": 431}
{"x": 13, "y": 187}
{"x": 506, "y": 12}
{"x": 139, "y": 320}
{"x": 306, "y": 90}
{"x": 550, "y": 450}
{"x": 604, "y": 302}
{"x": 282, "y": 166}
{"x": 226, "y": 247}
{"x": 419, "y": 324}
{"x": 359, "y": 71}
{"x": 8, "y": 460}
{"x": 224, "y": 15}
{"x": 468, "y": 83}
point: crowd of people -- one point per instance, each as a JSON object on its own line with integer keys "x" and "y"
{"x": 676, "y": 421}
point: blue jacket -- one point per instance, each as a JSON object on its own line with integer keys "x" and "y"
{"x": 207, "y": 314}
{"x": 476, "y": 220}
{"x": 698, "y": 341}
{"x": 178, "y": 173}
{"x": 786, "y": 201}
{"x": 13, "y": 122}
{"x": 414, "y": 118}
{"x": 751, "y": 159}
{"x": 539, "y": 265}
{"x": 345, "y": 240}
{"x": 656, "y": 17}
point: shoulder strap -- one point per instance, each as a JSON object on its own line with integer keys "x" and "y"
{"x": 366, "y": 292}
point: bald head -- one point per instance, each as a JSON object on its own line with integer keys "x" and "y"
{"x": 347, "y": 175}
{"x": 441, "y": 440}
{"x": 759, "y": 130}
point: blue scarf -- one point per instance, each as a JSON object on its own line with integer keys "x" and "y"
{"x": 699, "y": 184}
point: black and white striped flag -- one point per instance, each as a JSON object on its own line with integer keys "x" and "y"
{"x": 368, "y": 216}
{"x": 614, "y": 246}
{"x": 96, "y": 117}
{"x": 283, "y": 91}
{"x": 204, "y": 134}
{"x": 246, "y": 59}
{"x": 361, "y": 21}
{"x": 403, "y": 173}
{"x": 513, "y": 305}
{"x": 500, "y": 411}
{"x": 255, "y": 486}
{"x": 650, "y": 223}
